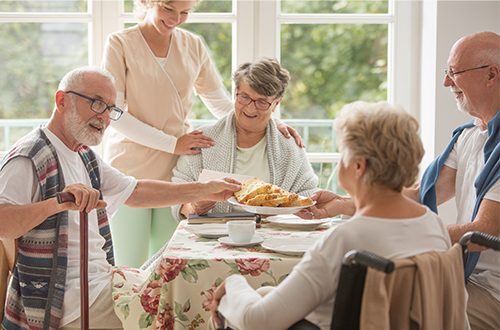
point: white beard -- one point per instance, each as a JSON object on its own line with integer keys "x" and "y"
{"x": 80, "y": 130}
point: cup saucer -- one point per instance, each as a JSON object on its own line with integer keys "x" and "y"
{"x": 256, "y": 239}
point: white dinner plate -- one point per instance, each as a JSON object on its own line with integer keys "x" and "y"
{"x": 256, "y": 239}
{"x": 212, "y": 230}
{"x": 294, "y": 222}
{"x": 267, "y": 209}
{"x": 293, "y": 246}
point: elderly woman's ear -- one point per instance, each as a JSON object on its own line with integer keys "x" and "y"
{"x": 360, "y": 167}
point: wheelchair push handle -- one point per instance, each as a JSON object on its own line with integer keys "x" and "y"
{"x": 486, "y": 240}
{"x": 369, "y": 259}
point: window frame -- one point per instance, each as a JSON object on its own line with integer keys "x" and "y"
{"x": 260, "y": 22}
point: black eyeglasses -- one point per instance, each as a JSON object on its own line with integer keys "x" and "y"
{"x": 260, "y": 104}
{"x": 99, "y": 106}
{"x": 451, "y": 74}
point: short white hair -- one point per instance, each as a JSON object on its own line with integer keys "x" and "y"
{"x": 74, "y": 78}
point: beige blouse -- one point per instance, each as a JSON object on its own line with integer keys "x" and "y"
{"x": 157, "y": 94}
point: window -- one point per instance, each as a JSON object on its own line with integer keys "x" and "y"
{"x": 337, "y": 51}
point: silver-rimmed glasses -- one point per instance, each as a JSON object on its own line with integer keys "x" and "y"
{"x": 99, "y": 106}
{"x": 451, "y": 74}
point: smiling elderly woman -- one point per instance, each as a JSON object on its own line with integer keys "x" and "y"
{"x": 247, "y": 140}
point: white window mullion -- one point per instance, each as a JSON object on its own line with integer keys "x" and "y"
{"x": 244, "y": 33}
{"x": 267, "y": 29}
{"x": 403, "y": 56}
{"x": 105, "y": 20}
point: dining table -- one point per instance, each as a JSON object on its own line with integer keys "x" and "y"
{"x": 175, "y": 289}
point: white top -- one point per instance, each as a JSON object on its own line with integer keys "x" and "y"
{"x": 310, "y": 288}
{"x": 253, "y": 161}
{"x": 115, "y": 187}
{"x": 468, "y": 159}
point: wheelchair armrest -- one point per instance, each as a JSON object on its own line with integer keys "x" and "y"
{"x": 369, "y": 259}
{"x": 476, "y": 237}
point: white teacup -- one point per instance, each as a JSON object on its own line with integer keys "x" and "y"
{"x": 241, "y": 231}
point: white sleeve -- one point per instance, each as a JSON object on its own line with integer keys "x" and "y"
{"x": 16, "y": 179}
{"x": 144, "y": 134}
{"x": 218, "y": 102}
{"x": 494, "y": 193}
{"x": 451, "y": 161}
{"x": 288, "y": 303}
{"x": 116, "y": 187}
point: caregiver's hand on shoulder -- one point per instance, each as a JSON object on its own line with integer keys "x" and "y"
{"x": 190, "y": 143}
{"x": 289, "y": 131}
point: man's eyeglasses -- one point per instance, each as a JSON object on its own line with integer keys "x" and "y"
{"x": 260, "y": 104}
{"x": 99, "y": 106}
{"x": 451, "y": 74}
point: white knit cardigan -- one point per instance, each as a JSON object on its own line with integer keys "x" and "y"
{"x": 288, "y": 164}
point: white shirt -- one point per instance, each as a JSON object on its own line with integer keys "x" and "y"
{"x": 116, "y": 189}
{"x": 310, "y": 288}
{"x": 467, "y": 157}
{"x": 253, "y": 161}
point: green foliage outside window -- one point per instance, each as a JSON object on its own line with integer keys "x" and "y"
{"x": 332, "y": 65}
{"x": 335, "y": 6}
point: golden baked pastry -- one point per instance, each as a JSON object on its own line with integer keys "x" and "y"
{"x": 256, "y": 192}
{"x": 251, "y": 188}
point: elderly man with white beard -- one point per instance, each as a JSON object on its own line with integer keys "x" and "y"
{"x": 56, "y": 158}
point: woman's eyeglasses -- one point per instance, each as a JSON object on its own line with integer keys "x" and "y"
{"x": 260, "y": 104}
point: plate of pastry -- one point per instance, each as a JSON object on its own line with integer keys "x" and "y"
{"x": 259, "y": 197}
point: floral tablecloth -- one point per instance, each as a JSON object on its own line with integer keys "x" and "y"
{"x": 174, "y": 292}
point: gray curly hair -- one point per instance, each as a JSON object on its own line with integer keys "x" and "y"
{"x": 265, "y": 76}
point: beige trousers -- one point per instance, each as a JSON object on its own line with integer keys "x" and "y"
{"x": 483, "y": 309}
{"x": 101, "y": 313}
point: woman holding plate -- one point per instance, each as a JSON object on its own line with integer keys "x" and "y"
{"x": 248, "y": 141}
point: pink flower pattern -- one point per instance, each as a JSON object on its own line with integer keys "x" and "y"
{"x": 252, "y": 266}
{"x": 171, "y": 267}
{"x": 150, "y": 297}
{"x": 165, "y": 319}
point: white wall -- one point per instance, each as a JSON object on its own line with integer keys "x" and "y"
{"x": 443, "y": 23}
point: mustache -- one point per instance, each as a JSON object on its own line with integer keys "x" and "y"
{"x": 97, "y": 123}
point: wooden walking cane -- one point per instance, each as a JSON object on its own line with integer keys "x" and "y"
{"x": 64, "y": 197}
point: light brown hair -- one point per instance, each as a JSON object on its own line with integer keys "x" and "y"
{"x": 387, "y": 137}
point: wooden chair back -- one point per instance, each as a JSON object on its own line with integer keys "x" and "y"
{"x": 8, "y": 251}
